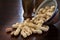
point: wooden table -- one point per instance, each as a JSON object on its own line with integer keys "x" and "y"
{"x": 10, "y": 13}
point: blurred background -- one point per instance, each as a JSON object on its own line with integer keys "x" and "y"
{"x": 10, "y": 9}
{"x": 11, "y": 12}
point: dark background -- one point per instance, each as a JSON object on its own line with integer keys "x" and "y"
{"x": 10, "y": 13}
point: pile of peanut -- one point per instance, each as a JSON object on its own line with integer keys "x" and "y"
{"x": 35, "y": 25}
